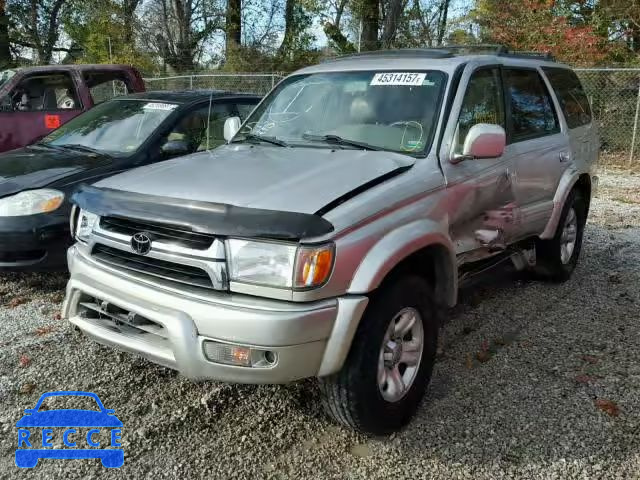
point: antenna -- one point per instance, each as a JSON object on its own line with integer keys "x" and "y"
{"x": 209, "y": 118}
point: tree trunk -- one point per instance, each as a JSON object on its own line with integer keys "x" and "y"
{"x": 289, "y": 28}
{"x": 390, "y": 23}
{"x": 442, "y": 24}
{"x": 128, "y": 10}
{"x": 5, "y": 51}
{"x": 234, "y": 26}
{"x": 370, "y": 24}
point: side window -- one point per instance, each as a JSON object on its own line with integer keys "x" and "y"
{"x": 483, "y": 103}
{"x": 244, "y": 109}
{"x": 46, "y": 93}
{"x": 201, "y": 131}
{"x": 532, "y": 112}
{"x": 106, "y": 85}
{"x": 573, "y": 100}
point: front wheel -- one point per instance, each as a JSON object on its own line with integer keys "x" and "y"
{"x": 389, "y": 366}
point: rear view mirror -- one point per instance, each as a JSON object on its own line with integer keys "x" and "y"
{"x": 484, "y": 140}
{"x": 231, "y": 127}
{"x": 175, "y": 148}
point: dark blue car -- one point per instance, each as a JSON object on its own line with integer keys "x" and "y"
{"x": 28, "y": 453}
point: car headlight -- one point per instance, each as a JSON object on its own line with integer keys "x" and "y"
{"x": 279, "y": 264}
{"x": 31, "y": 202}
{"x": 85, "y": 223}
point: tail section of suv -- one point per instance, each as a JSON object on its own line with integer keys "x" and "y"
{"x": 325, "y": 239}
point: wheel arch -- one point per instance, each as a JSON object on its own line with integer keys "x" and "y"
{"x": 571, "y": 180}
{"x": 419, "y": 247}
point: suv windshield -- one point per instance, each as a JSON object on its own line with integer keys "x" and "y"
{"x": 395, "y": 111}
{"x": 6, "y": 75}
{"x": 116, "y": 127}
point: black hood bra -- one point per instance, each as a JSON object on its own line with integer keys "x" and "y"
{"x": 203, "y": 217}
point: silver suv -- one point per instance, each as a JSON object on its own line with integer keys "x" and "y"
{"x": 330, "y": 233}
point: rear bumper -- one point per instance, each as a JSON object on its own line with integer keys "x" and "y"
{"x": 34, "y": 242}
{"x": 298, "y": 334}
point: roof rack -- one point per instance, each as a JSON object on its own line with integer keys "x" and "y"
{"x": 449, "y": 51}
{"x": 402, "y": 52}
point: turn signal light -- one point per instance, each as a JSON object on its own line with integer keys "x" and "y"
{"x": 313, "y": 265}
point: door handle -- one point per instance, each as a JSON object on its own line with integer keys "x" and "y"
{"x": 564, "y": 157}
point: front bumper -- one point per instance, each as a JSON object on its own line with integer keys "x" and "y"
{"x": 307, "y": 339}
{"x": 34, "y": 242}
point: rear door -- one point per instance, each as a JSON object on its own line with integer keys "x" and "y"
{"x": 537, "y": 146}
{"x": 574, "y": 103}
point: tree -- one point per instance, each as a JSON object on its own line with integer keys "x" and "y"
{"x": 424, "y": 23}
{"x": 369, "y": 13}
{"x": 233, "y": 26}
{"x": 535, "y": 25}
{"x": 178, "y": 29}
{"x": 37, "y": 26}
{"x": 5, "y": 49}
{"x": 104, "y": 32}
{"x": 296, "y": 48}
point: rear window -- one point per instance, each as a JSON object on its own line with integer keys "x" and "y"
{"x": 573, "y": 100}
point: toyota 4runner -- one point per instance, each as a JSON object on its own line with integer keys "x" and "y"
{"x": 330, "y": 232}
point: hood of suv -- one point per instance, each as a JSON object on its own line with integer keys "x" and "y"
{"x": 273, "y": 178}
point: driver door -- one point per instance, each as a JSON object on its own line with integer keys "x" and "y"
{"x": 38, "y": 105}
{"x": 480, "y": 196}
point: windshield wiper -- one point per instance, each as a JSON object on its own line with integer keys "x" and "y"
{"x": 337, "y": 140}
{"x": 271, "y": 140}
{"x": 82, "y": 148}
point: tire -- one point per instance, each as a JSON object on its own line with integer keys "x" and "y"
{"x": 353, "y": 396}
{"x": 551, "y": 262}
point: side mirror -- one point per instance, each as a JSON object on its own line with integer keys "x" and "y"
{"x": 484, "y": 140}
{"x": 231, "y": 127}
{"x": 175, "y": 148}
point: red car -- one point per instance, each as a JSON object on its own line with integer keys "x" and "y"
{"x": 36, "y": 100}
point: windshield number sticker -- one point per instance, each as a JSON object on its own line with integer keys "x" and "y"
{"x": 399, "y": 78}
{"x": 160, "y": 106}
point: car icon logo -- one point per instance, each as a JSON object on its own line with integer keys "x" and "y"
{"x": 141, "y": 243}
{"x": 86, "y": 433}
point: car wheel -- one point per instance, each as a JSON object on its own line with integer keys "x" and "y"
{"x": 389, "y": 366}
{"x": 556, "y": 258}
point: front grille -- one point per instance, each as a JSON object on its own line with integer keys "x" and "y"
{"x": 165, "y": 233}
{"x": 171, "y": 271}
{"x": 118, "y": 319}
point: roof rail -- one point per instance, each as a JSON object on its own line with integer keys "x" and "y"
{"x": 500, "y": 50}
{"x": 447, "y": 51}
{"x": 408, "y": 52}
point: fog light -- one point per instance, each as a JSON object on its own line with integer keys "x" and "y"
{"x": 238, "y": 355}
{"x": 228, "y": 354}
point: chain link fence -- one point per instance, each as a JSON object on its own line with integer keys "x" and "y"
{"x": 615, "y": 98}
{"x": 614, "y": 94}
{"x": 259, "y": 83}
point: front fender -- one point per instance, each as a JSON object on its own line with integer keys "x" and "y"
{"x": 397, "y": 245}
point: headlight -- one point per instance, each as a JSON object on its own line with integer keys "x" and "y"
{"x": 263, "y": 263}
{"x": 31, "y": 202}
{"x": 86, "y": 222}
{"x": 278, "y": 264}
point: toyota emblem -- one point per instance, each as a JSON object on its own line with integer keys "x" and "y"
{"x": 141, "y": 243}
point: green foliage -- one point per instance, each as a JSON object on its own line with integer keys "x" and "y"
{"x": 100, "y": 30}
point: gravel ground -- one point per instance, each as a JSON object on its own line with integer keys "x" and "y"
{"x": 536, "y": 381}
